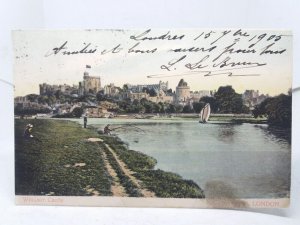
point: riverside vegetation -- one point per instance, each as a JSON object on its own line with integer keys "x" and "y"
{"x": 60, "y": 161}
{"x": 273, "y": 110}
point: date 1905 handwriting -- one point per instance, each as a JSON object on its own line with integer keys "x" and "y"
{"x": 211, "y": 53}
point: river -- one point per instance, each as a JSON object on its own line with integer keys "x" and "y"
{"x": 252, "y": 160}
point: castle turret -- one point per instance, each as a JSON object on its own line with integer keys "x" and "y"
{"x": 182, "y": 92}
{"x": 90, "y": 84}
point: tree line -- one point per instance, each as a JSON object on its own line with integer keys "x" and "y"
{"x": 277, "y": 110}
{"x": 225, "y": 100}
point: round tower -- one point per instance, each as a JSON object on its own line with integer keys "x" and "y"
{"x": 182, "y": 92}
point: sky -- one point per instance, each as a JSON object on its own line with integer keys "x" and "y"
{"x": 36, "y": 63}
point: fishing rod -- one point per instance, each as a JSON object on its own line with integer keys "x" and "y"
{"x": 117, "y": 128}
{"x": 128, "y": 125}
{"x": 136, "y": 127}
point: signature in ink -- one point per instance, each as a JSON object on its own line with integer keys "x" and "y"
{"x": 202, "y": 63}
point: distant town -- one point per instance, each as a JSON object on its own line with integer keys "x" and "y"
{"x": 89, "y": 97}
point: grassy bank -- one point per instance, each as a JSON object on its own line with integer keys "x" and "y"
{"x": 130, "y": 187}
{"x": 163, "y": 184}
{"x": 60, "y": 161}
{"x": 48, "y": 164}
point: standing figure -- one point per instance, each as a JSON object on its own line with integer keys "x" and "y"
{"x": 84, "y": 121}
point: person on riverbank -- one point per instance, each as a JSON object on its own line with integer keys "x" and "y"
{"x": 84, "y": 121}
{"x": 28, "y": 131}
{"x": 107, "y": 129}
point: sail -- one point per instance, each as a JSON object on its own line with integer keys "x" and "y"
{"x": 205, "y": 113}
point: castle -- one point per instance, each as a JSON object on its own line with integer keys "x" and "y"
{"x": 89, "y": 85}
{"x": 161, "y": 86}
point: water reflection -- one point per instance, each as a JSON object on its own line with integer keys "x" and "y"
{"x": 226, "y": 133}
{"x": 220, "y": 194}
{"x": 252, "y": 159}
{"x": 278, "y": 134}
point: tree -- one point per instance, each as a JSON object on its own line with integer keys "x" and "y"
{"x": 58, "y": 94}
{"x": 156, "y": 107}
{"x": 170, "y": 91}
{"x": 237, "y": 104}
{"x": 229, "y": 101}
{"x": 162, "y": 107}
{"x": 198, "y": 106}
{"x": 212, "y": 101}
{"x": 100, "y": 96}
{"x": 135, "y": 107}
{"x": 151, "y": 91}
{"x": 125, "y": 87}
{"x": 43, "y": 99}
{"x": 149, "y": 107}
{"x": 135, "y": 102}
{"x": 145, "y": 89}
{"x": 32, "y": 97}
{"x": 261, "y": 109}
{"x": 19, "y": 110}
{"x": 51, "y": 100}
{"x": 178, "y": 108}
{"x": 278, "y": 110}
{"x": 187, "y": 109}
{"x": 77, "y": 112}
{"x": 170, "y": 108}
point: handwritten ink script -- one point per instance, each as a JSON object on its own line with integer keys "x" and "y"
{"x": 208, "y": 53}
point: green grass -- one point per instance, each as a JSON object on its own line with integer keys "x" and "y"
{"x": 163, "y": 184}
{"x": 40, "y": 163}
{"x": 134, "y": 160}
{"x": 131, "y": 189}
{"x": 169, "y": 185}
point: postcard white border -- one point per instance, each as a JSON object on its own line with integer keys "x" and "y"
{"x": 16, "y": 16}
{"x": 150, "y": 202}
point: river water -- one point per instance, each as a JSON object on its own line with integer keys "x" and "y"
{"x": 252, "y": 160}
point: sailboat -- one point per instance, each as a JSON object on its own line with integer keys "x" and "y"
{"x": 204, "y": 114}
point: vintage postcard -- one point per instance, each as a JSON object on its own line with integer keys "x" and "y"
{"x": 153, "y": 117}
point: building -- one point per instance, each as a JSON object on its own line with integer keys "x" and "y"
{"x": 163, "y": 99}
{"x": 250, "y": 94}
{"x": 197, "y": 95}
{"x": 47, "y": 89}
{"x": 22, "y": 103}
{"x": 252, "y": 98}
{"x": 21, "y": 100}
{"x": 111, "y": 90}
{"x": 90, "y": 84}
{"x": 161, "y": 86}
{"x": 137, "y": 96}
{"x": 182, "y": 94}
{"x": 96, "y": 111}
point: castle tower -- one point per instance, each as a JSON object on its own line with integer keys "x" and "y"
{"x": 182, "y": 92}
{"x": 91, "y": 84}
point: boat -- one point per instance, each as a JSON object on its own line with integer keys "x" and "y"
{"x": 204, "y": 114}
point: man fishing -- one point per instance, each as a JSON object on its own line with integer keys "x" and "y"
{"x": 107, "y": 129}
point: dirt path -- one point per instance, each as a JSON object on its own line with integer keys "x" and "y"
{"x": 129, "y": 173}
{"x": 116, "y": 188}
